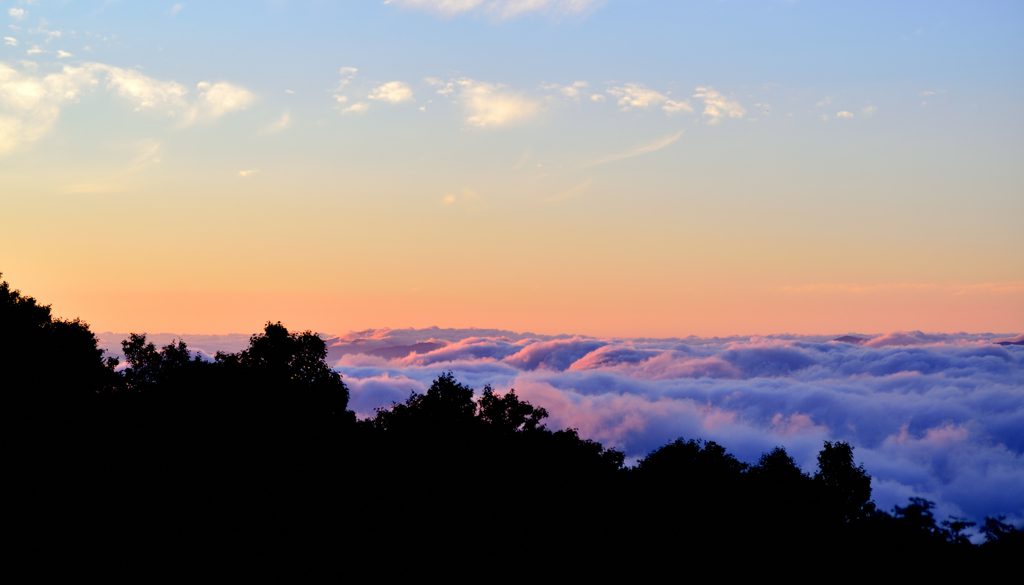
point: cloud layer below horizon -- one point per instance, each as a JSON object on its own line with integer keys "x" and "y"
{"x": 931, "y": 415}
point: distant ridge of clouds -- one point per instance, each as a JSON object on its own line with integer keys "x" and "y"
{"x": 931, "y": 415}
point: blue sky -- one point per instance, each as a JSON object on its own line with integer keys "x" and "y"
{"x": 518, "y": 164}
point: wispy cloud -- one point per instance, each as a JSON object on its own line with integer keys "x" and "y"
{"x": 570, "y": 193}
{"x": 501, "y": 9}
{"x": 147, "y": 152}
{"x": 17, "y": 14}
{"x": 282, "y": 123}
{"x": 447, "y": 87}
{"x": 11, "y": 41}
{"x": 248, "y": 173}
{"x": 650, "y": 147}
{"x": 176, "y": 9}
{"x": 844, "y": 114}
{"x": 346, "y": 74}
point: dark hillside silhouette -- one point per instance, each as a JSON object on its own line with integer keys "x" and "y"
{"x": 253, "y": 458}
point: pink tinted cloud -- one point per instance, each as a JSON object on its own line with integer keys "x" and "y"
{"x": 557, "y": 354}
{"x": 661, "y": 366}
{"x": 929, "y": 414}
{"x": 795, "y": 424}
{"x": 470, "y": 349}
{"x": 898, "y": 338}
{"x": 935, "y": 415}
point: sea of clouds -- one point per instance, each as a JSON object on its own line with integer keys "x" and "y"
{"x": 932, "y": 415}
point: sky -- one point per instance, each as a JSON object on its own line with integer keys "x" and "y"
{"x": 619, "y": 168}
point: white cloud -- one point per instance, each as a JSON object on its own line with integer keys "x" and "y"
{"x": 282, "y": 123}
{"x": 143, "y": 91}
{"x": 30, "y": 104}
{"x": 672, "y": 106}
{"x": 597, "y": 98}
{"x": 844, "y": 114}
{"x": 394, "y": 92}
{"x": 218, "y": 99}
{"x": 63, "y": 54}
{"x": 175, "y": 9}
{"x": 650, "y": 147}
{"x": 50, "y": 34}
{"x": 18, "y": 14}
{"x": 490, "y": 105}
{"x": 35, "y": 50}
{"x": 447, "y": 88}
{"x": 497, "y": 8}
{"x": 869, "y": 110}
{"x": 346, "y": 73}
{"x": 356, "y": 108}
{"x": 824, "y": 117}
{"x": 635, "y": 95}
{"x": 932, "y": 92}
{"x": 717, "y": 107}
{"x": 11, "y": 41}
{"x": 248, "y": 173}
{"x": 570, "y": 91}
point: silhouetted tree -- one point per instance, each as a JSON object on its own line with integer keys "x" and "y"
{"x": 777, "y": 467}
{"x": 690, "y": 461}
{"x": 847, "y": 486}
{"x": 48, "y": 362}
{"x": 509, "y": 413}
{"x": 446, "y": 404}
{"x": 996, "y": 530}
{"x": 256, "y": 449}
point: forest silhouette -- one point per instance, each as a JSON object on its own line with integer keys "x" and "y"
{"x": 254, "y": 455}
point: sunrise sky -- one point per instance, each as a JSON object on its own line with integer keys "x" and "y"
{"x": 611, "y": 168}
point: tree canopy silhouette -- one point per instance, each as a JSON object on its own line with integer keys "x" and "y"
{"x": 257, "y": 449}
